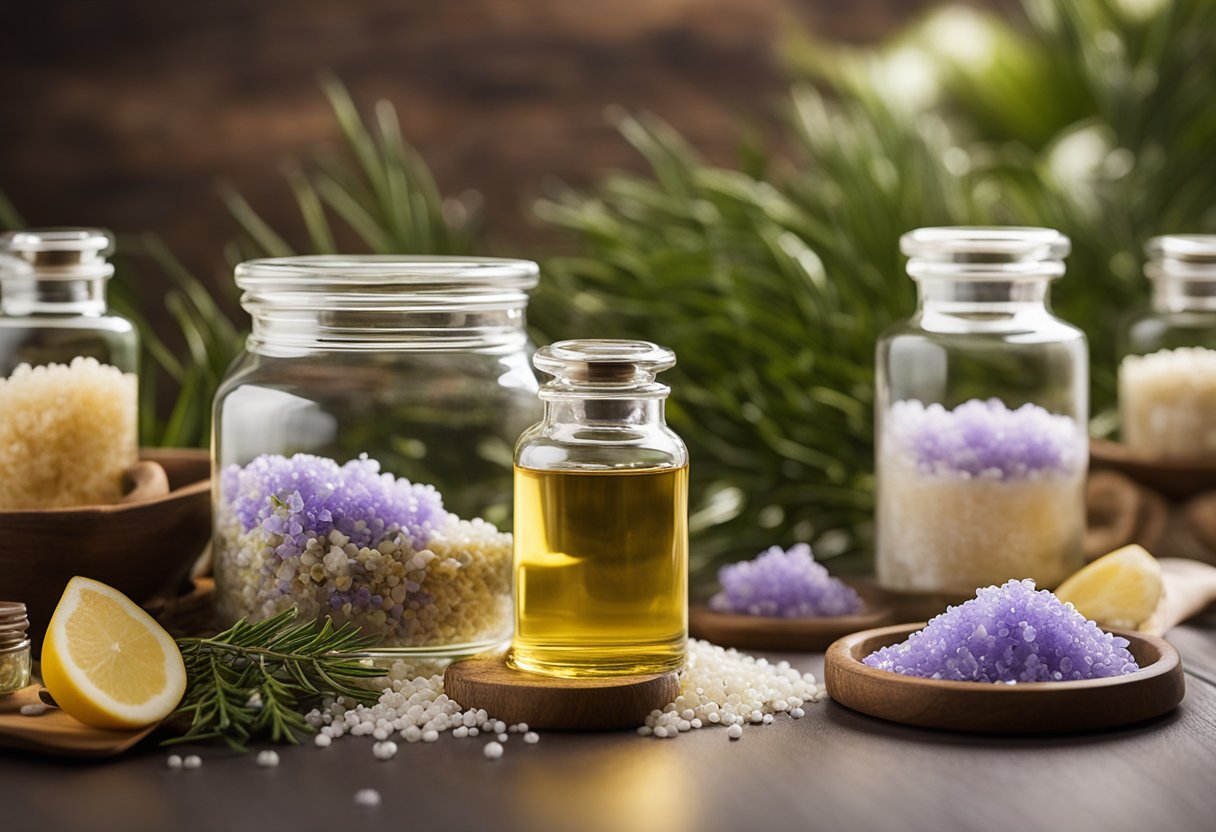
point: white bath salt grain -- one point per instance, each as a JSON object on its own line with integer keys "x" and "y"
{"x": 415, "y": 707}
{"x": 493, "y": 751}
{"x": 268, "y": 759}
{"x": 531, "y": 738}
{"x": 726, "y": 687}
{"x": 34, "y": 709}
{"x": 174, "y": 762}
{"x": 192, "y": 762}
{"x": 368, "y": 798}
{"x": 322, "y": 740}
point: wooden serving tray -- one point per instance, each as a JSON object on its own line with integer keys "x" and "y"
{"x": 54, "y": 732}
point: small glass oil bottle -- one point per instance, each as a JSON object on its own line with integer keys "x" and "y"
{"x": 601, "y": 517}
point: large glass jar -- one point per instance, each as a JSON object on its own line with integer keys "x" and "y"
{"x": 982, "y": 404}
{"x": 601, "y": 517}
{"x": 1167, "y": 376}
{"x": 68, "y": 385}
{"x": 363, "y": 442}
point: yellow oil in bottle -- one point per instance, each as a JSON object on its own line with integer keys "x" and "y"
{"x": 601, "y": 571}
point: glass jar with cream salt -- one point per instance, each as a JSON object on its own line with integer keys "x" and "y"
{"x": 68, "y": 385}
{"x": 981, "y": 411}
{"x": 1167, "y": 377}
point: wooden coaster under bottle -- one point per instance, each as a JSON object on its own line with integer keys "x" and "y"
{"x": 557, "y": 703}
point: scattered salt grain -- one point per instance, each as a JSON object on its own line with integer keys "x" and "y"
{"x": 322, "y": 740}
{"x": 493, "y": 751}
{"x": 192, "y": 762}
{"x": 367, "y": 797}
{"x": 174, "y": 762}
{"x": 268, "y": 759}
{"x": 531, "y": 737}
{"x": 735, "y": 731}
{"x": 34, "y": 709}
{"x": 502, "y": 737}
{"x": 384, "y": 750}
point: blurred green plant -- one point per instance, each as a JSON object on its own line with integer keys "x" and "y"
{"x": 378, "y": 186}
{"x": 773, "y": 282}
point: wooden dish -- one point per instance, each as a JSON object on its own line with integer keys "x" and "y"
{"x": 977, "y": 707}
{"x": 1174, "y": 478}
{"x": 138, "y": 547}
{"x": 787, "y": 635}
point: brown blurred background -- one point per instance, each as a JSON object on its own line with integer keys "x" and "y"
{"x": 126, "y": 113}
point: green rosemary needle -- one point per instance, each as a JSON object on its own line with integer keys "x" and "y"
{"x": 260, "y": 679}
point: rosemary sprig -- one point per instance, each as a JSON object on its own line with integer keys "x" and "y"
{"x": 259, "y": 679}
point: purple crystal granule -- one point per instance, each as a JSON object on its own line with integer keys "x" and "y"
{"x": 308, "y": 496}
{"x": 983, "y": 438}
{"x": 1010, "y": 633}
{"x": 783, "y": 584}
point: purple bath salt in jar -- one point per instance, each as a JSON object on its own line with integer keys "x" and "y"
{"x": 980, "y": 423}
{"x": 363, "y": 447}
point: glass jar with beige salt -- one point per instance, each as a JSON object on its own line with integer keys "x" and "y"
{"x": 68, "y": 384}
{"x": 1167, "y": 378}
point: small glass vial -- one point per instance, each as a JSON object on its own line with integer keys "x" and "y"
{"x": 68, "y": 386}
{"x": 1167, "y": 377}
{"x": 981, "y": 412}
{"x": 14, "y": 647}
{"x": 601, "y": 517}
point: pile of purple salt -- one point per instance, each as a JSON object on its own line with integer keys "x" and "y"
{"x": 783, "y": 584}
{"x": 984, "y": 438}
{"x": 1011, "y": 633}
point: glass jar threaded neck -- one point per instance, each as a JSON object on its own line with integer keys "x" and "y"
{"x": 386, "y": 302}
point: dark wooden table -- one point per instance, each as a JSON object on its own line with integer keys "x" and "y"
{"x": 833, "y": 770}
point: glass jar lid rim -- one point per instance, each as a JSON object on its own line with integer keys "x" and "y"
{"x": 1184, "y": 248}
{"x": 606, "y": 360}
{"x": 1021, "y": 243}
{"x": 88, "y": 241}
{"x": 385, "y": 270}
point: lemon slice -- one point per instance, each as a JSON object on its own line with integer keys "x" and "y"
{"x": 1120, "y": 589}
{"x": 107, "y": 662}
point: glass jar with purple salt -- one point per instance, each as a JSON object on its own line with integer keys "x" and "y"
{"x": 981, "y": 411}
{"x": 363, "y": 446}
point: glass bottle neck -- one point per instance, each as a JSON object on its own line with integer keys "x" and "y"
{"x": 983, "y": 295}
{"x": 20, "y": 296}
{"x": 606, "y": 413}
{"x": 1174, "y": 294}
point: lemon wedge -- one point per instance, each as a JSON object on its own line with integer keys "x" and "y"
{"x": 1120, "y": 589}
{"x": 107, "y": 662}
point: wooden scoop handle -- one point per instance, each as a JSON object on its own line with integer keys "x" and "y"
{"x": 148, "y": 481}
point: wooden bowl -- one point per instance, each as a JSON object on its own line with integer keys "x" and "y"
{"x": 788, "y": 635}
{"x": 137, "y": 546}
{"x": 1176, "y": 479}
{"x": 981, "y": 708}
